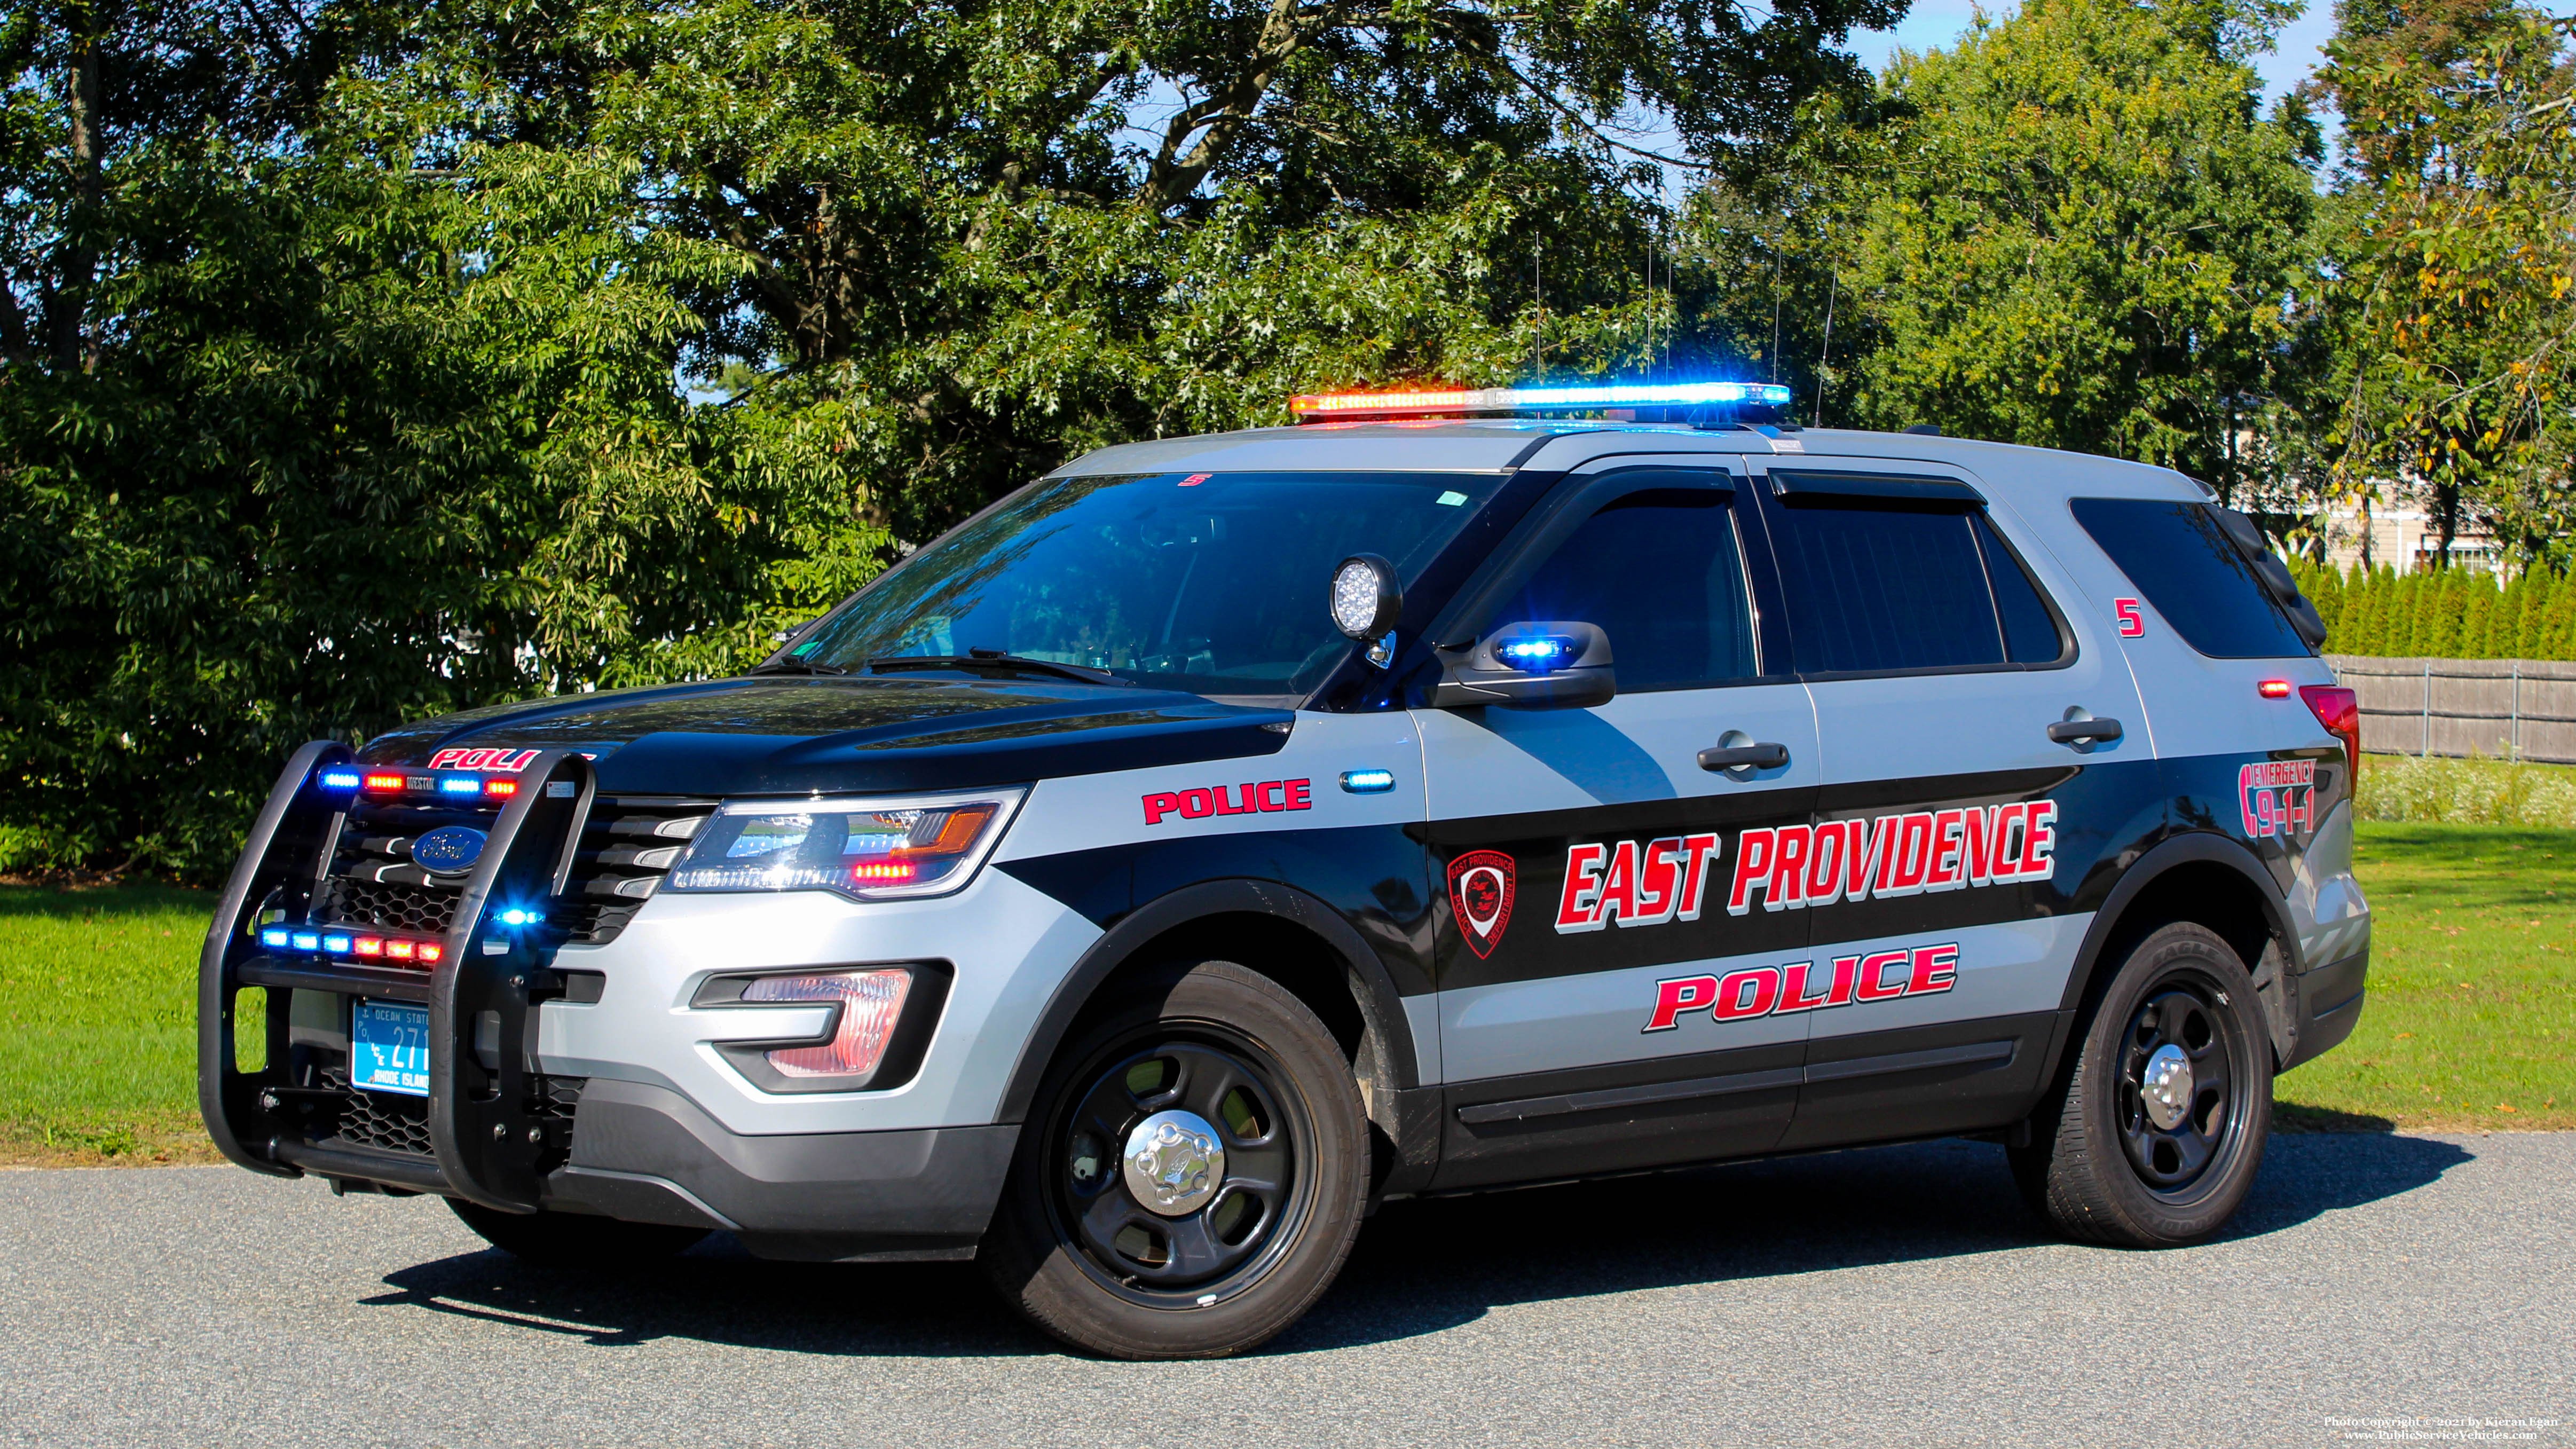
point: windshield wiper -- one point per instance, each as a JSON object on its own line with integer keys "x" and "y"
{"x": 994, "y": 659}
{"x": 798, "y": 666}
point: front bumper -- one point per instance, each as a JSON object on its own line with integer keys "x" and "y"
{"x": 648, "y": 1154}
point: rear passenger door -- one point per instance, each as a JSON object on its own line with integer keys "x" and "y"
{"x": 1984, "y": 764}
{"x": 1584, "y": 850}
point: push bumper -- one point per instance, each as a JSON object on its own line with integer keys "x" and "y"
{"x": 648, "y": 1154}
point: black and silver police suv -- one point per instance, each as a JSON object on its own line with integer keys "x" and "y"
{"x": 1222, "y": 835}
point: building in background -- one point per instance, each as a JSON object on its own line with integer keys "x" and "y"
{"x": 2407, "y": 538}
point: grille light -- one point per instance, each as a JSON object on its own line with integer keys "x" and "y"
{"x": 341, "y": 779}
{"x": 308, "y": 940}
{"x": 871, "y": 1002}
{"x": 1459, "y": 402}
{"x": 500, "y": 789}
{"x": 402, "y": 950}
{"x": 277, "y": 936}
{"x": 377, "y": 781}
{"x": 460, "y": 785}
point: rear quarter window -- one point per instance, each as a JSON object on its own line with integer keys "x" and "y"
{"x": 2184, "y": 565}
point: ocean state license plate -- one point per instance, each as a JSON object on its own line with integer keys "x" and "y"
{"x": 389, "y": 1047}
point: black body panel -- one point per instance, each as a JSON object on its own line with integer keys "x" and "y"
{"x": 793, "y": 734}
{"x": 1921, "y": 1081}
{"x": 1504, "y": 1130}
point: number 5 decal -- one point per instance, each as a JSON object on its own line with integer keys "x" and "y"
{"x": 2132, "y": 624}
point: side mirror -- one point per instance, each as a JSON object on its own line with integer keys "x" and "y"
{"x": 1550, "y": 664}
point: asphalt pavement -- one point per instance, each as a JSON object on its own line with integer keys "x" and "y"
{"x": 2396, "y": 1288}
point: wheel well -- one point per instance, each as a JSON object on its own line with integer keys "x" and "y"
{"x": 2203, "y": 892}
{"x": 1286, "y": 952}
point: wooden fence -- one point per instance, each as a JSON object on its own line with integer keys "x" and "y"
{"x": 2511, "y": 709}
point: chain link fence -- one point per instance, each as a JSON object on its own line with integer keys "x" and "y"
{"x": 2506, "y": 709}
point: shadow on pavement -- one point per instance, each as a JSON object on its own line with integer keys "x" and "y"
{"x": 1420, "y": 1266}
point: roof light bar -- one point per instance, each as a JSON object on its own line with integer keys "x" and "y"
{"x": 1458, "y": 402}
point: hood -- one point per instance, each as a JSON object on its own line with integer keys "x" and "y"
{"x": 799, "y": 734}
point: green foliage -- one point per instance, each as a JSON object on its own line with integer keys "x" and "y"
{"x": 2073, "y": 231}
{"x": 2453, "y": 614}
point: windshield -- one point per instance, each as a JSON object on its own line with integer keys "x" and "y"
{"x": 1214, "y": 583}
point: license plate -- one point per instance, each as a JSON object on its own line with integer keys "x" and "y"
{"x": 389, "y": 1047}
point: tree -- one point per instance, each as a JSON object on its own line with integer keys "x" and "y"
{"x": 2073, "y": 231}
{"x": 2455, "y": 248}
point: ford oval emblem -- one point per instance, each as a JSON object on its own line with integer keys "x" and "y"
{"x": 449, "y": 850}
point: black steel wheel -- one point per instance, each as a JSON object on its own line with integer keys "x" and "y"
{"x": 2159, "y": 1126}
{"x": 1191, "y": 1177}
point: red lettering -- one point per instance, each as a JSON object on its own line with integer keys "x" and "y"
{"x": 1752, "y": 868}
{"x": 1866, "y": 848}
{"x": 1195, "y": 805}
{"x": 1297, "y": 795}
{"x": 1913, "y": 855}
{"x": 1659, "y": 882}
{"x": 1267, "y": 786}
{"x": 1946, "y": 873}
{"x": 1980, "y": 824}
{"x": 1699, "y": 853}
{"x": 2011, "y": 824}
{"x": 1788, "y": 884}
{"x": 1682, "y": 993}
{"x": 1734, "y": 1001}
{"x": 443, "y": 758}
{"x": 1160, "y": 804}
{"x": 1873, "y": 976}
{"x": 1619, "y": 885}
{"x": 2035, "y": 861}
{"x": 1936, "y": 968}
{"x": 1825, "y": 862}
{"x": 1577, "y": 909}
{"x": 1891, "y": 829}
{"x": 1793, "y": 986}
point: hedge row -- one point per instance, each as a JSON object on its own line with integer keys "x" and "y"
{"x": 2453, "y": 614}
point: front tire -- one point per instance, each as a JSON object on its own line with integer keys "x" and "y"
{"x": 2162, "y": 1123}
{"x": 1192, "y": 1172}
{"x": 574, "y": 1240}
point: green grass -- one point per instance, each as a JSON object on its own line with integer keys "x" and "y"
{"x": 2471, "y": 1021}
{"x": 98, "y": 1024}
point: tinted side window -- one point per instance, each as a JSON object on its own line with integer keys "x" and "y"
{"x": 1658, "y": 571}
{"x": 1877, "y": 588}
{"x": 2182, "y": 561}
{"x": 2030, "y": 631}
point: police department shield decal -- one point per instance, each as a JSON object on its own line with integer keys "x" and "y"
{"x": 1480, "y": 892}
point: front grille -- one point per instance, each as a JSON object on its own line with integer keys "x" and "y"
{"x": 384, "y": 1120}
{"x": 388, "y": 905}
{"x": 627, "y": 845}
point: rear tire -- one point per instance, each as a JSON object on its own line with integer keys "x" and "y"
{"x": 574, "y": 1240}
{"x": 1238, "y": 1216}
{"x": 2161, "y": 1126}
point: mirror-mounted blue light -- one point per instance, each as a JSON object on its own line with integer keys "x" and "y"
{"x": 341, "y": 779}
{"x": 1368, "y": 782}
{"x": 1537, "y": 656}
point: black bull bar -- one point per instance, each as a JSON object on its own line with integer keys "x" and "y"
{"x": 488, "y": 1140}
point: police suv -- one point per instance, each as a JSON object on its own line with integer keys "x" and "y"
{"x": 1220, "y": 836}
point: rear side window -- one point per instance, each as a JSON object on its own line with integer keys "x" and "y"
{"x": 1877, "y": 585}
{"x": 1658, "y": 571}
{"x": 2181, "y": 559}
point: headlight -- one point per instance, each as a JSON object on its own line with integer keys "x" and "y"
{"x": 871, "y": 849}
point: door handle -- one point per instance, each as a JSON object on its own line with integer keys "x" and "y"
{"x": 1766, "y": 755}
{"x": 2076, "y": 731}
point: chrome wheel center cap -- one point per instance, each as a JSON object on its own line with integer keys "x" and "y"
{"x": 1173, "y": 1163}
{"x": 2166, "y": 1084}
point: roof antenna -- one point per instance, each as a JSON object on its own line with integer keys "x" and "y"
{"x": 1826, "y": 355}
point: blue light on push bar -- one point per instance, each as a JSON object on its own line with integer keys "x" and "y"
{"x": 336, "y": 943}
{"x": 460, "y": 785}
{"x": 1368, "y": 782}
{"x": 516, "y": 916}
{"x": 308, "y": 940}
{"x": 274, "y": 936}
{"x": 341, "y": 779}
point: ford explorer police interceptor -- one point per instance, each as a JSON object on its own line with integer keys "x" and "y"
{"x": 1220, "y": 836}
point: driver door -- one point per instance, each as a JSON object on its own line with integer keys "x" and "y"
{"x": 1590, "y": 859}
